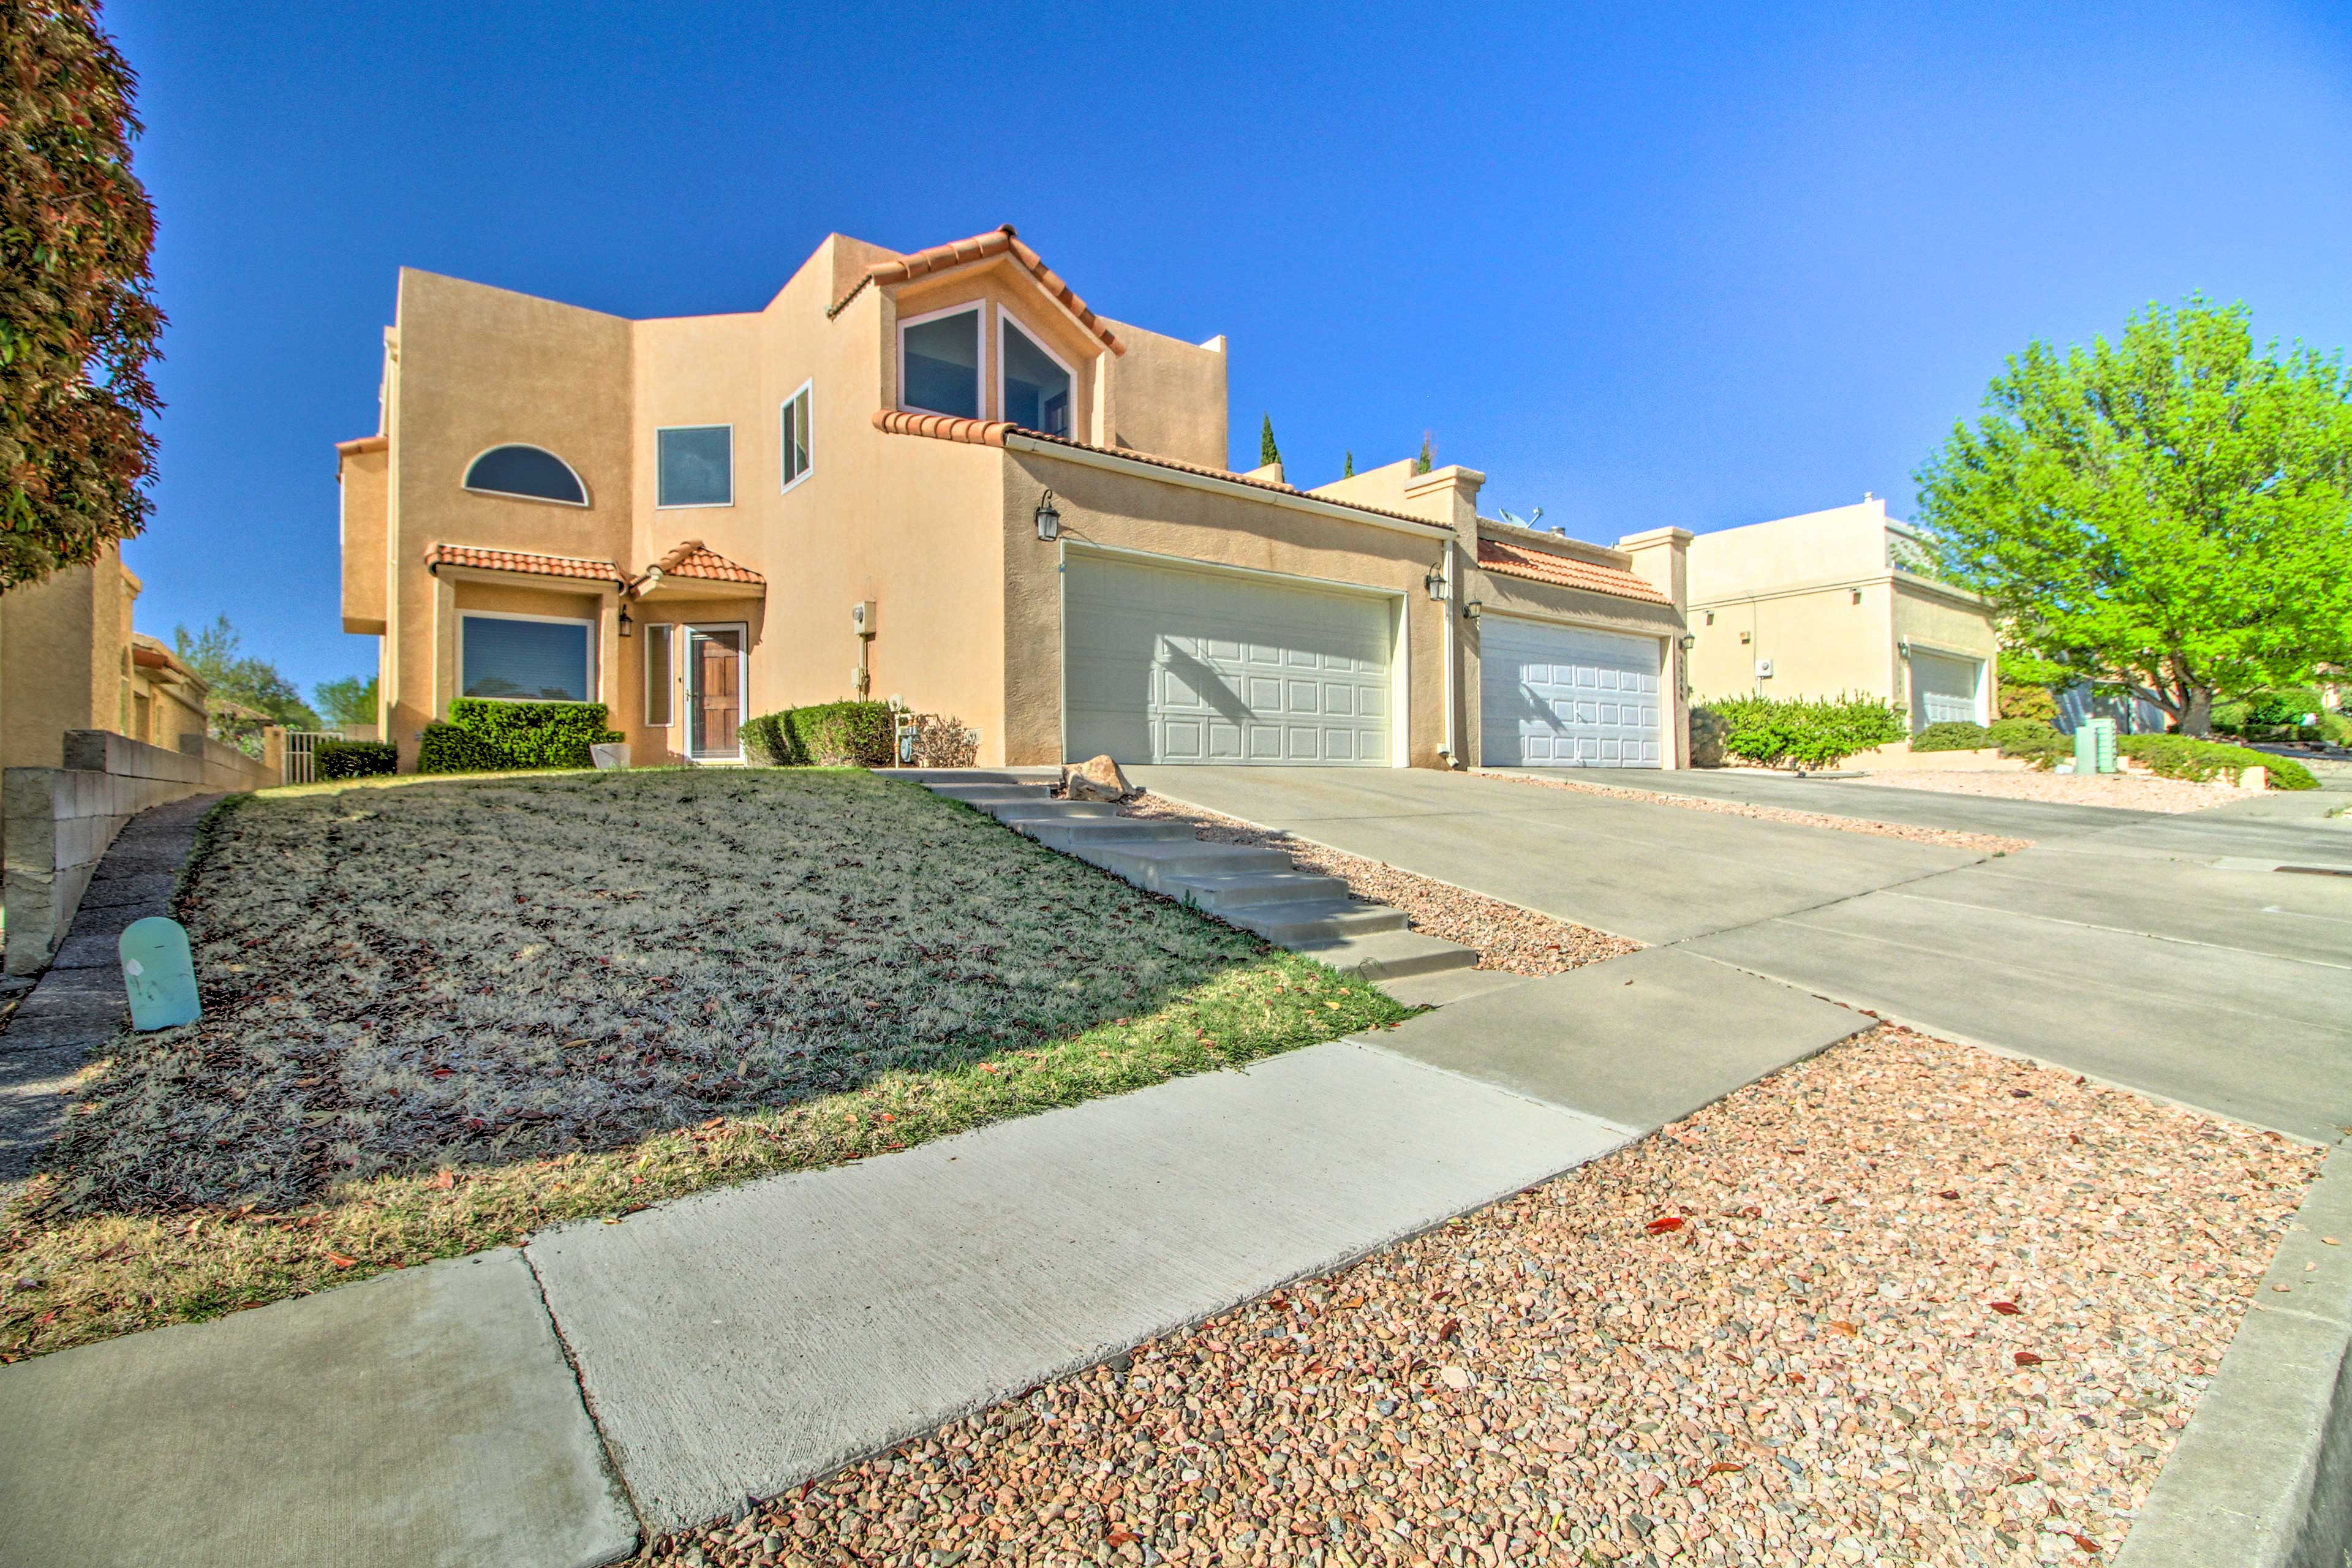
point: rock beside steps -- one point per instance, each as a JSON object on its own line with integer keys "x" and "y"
{"x": 1258, "y": 890}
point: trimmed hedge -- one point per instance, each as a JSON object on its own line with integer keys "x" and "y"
{"x": 354, "y": 759}
{"x": 2182, "y": 757}
{"x": 827, "y": 735}
{"x": 1952, "y": 735}
{"x": 2032, "y": 739}
{"x": 1808, "y": 732}
{"x": 483, "y": 736}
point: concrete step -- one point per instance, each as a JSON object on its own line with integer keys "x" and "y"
{"x": 1044, "y": 810}
{"x": 979, "y": 794}
{"x": 937, "y": 776}
{"x": 1228, "y": 894}
{"x": 1292, "y": 925}
{"x": 1156, "y": 865}
{"x": 1437, "y": 988}
{"x": 1067, "y": 832}
{"x": 1390, "y": 954}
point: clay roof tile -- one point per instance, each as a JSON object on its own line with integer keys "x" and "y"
{"x": 1567, "y": 571}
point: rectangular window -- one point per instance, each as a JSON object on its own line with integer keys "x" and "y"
{"x": 530, "y": 658}
{"x": 938, "y": 364}
{"x": 796, "y": 436}
{"x": 659, "y": 676}
{"x": 696, "y": 466}
{"x": 1036, "y": 384}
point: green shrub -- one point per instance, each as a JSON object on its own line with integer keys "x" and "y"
{"x": 2230, "y": 718}
{"x": 1808, "y": 732}
{"x": 1707, "y": 731}
{"x": 1952, "y": 735}
{"x": 2181, "y": 757}
{"x": 2020, "y": 700}
{"x": 354, "y": 759}
{"x": 2019, "y": 735}
{"x": 2283, "y": 708}
{"x": 446, "y": 748}
{"x": 828, "y": 735}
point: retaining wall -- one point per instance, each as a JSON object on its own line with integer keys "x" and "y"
{"x": 59, "y": 822}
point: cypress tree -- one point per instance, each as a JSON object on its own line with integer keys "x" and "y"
{"x": 1421, "y": 465}
{"x": 1349, "y": 472}
{"x": 1268, "y": 452}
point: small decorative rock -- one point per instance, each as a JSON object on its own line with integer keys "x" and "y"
{"x": 1096, "y": 779}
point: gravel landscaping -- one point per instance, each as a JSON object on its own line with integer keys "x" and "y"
{"x": 1904, "y": 1303}
{"x": 1504, "y": 936}
{"x": 2125, "y": 792}
{"x": 442, "y": 1014}
{"x": 1983, "y": 843}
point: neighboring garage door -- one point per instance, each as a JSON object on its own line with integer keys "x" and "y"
{"x": 1943, "y": 689}
{"x": 1564, "y": 697}
{"x": 1167, "y": 664}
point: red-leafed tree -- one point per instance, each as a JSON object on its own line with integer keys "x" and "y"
{"x": 78, "y": 321}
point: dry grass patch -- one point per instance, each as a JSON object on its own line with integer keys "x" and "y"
{"x": 440, "y": 1017}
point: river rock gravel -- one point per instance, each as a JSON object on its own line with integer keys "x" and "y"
{"x": 1904, "y": 1302}
{"x": 1504, "y": 936}
{"x": 2124, "y": 792}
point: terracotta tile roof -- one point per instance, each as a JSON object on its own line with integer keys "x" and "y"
{"x": 999, "y": 241}
{"x": 992, "y": 433}
{"x": 363, "y": 444}
{"x": 693, "y": 559}
{"x": 439, "y": 555}
{"x": 1569, "y": 572}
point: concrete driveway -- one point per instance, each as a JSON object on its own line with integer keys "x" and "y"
{"x": 2131, "y": 946}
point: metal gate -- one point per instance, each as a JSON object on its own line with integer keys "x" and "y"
{"x": 302, "y": 753}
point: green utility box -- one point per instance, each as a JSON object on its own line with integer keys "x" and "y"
{"x": 2094, "y": 746}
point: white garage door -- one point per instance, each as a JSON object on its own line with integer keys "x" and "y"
{"x": 1176, "y": 665}
{"x": 1563, "y": 697}
{"x": 1943, "y": 689}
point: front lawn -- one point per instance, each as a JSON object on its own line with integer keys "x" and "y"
{"x": 443, "y": 1015}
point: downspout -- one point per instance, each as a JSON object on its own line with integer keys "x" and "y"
{"x": 1450, "y": 653}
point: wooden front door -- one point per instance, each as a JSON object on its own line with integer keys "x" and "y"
{"x": 714, "y": 679}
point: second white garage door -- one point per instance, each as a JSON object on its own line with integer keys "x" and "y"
{"x": 1566, "y": 696}
{"x": 1165, "y": 663}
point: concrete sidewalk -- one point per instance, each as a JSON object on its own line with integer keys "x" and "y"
{"x": 738, "y": 1342}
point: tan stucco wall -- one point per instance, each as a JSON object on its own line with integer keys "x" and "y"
{"x": 1119, "y": 511}
{"x": 1829, "y": 546}
{"x": 1939, "y": 622}
{"x": 1821, "y": 643}
{"x": 65, "y": 659}
{"x": 364, "y": 477}
{"x": 474, "y": 367}
{"x": 1168, "y": 397}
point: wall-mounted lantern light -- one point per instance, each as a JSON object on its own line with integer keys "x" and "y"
{"x": 1689, "y": 642}
{"x": 1437, "y": 583}
{"x": 1049, "y": 521}
{"x": 627, "y": 625}
{"x": 1473, "y": 609}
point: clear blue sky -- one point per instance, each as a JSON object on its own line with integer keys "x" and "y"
{"x": 1693, "y": 264}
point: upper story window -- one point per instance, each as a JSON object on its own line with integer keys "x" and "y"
{"x": 1036, "y": 393}
{"x": 796, "y": 434}
{"x": 939, "y": 362}
{"x": 696, "y": 464}
{"x": 534, "y": 473}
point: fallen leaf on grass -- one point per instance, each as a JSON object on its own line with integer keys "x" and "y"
{"x": 339, "y": 1261}
{"x": 444, "y": 1180}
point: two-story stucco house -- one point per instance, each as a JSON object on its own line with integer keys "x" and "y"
{"x": 942, "y": 476}
{"x": 1826, "y": 603}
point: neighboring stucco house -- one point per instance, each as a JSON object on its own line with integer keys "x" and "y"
{"x": 1818, "y": 604}
{"x": 1027, "y": 503}
{"x": 70, "y": 660}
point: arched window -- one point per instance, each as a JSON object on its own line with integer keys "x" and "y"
{"x": 532, "y": 472}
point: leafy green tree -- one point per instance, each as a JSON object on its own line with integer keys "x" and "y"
{"x": 350, "y": 700}
{"x": 2173, "y": 510}
{"x": 240, "y": 680}
{"x": 1268, "y": 452}
{"x": 78, "y": 321}
{"x": 1420, "y": 464}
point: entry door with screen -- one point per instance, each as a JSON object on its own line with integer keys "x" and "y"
{"x": 714, "y": 692}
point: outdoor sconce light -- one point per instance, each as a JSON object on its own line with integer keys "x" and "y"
{"x": 1436, "y": 584}
{"x": 1689, "y": 642}
{"x": 626, "y": 625}
{"x": 1473, "y": 609}
{"x": 1049, "y": 521}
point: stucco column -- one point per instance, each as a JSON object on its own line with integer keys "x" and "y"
{"x": 610, "y": 681}
{"x": 445, "y": 647}
{"x": 1449, "y": 496}
{"x": 1661, "y": 557}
